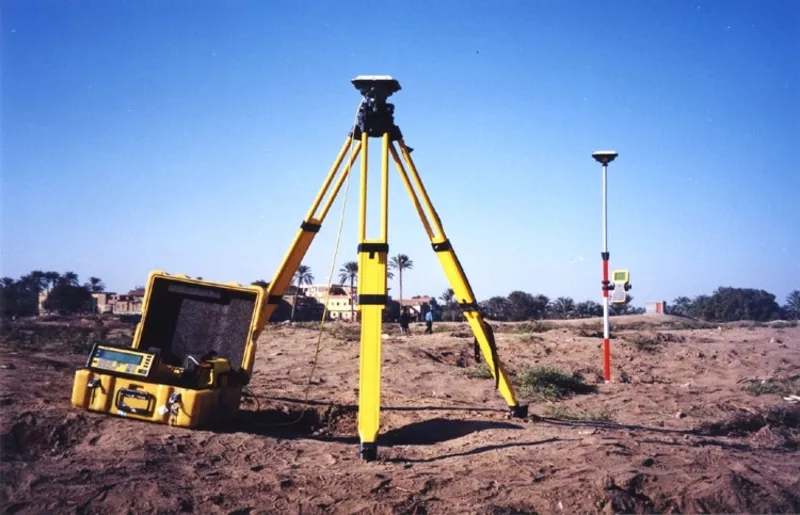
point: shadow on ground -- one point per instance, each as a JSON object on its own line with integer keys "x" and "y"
{"x": 394, "y": 408}
{"x": 337, "y": 423}
{"x": 437, "y": 430}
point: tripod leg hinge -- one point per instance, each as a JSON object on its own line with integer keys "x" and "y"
{"x": 442, "y": 247}
{"x": 518, "y": 411}
{"x": 368, "y": 451}
{"x": 373, "y": 300}
{"x": 605, "y": 256}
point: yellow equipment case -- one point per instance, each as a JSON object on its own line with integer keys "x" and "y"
{"x": 191, "y": 355}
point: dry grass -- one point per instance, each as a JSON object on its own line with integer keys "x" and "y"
{"x": 530, "y": 338}
{"x": 563, "y": 413}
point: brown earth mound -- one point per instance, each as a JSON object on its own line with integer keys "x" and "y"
{"x": 694, "y": 421}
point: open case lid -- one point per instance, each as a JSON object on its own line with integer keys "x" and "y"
{"x": 191, "y": 317}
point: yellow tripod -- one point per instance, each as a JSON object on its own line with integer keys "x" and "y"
{"x": 376, "y": 119}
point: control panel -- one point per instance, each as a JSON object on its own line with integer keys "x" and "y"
{"x": 122, "y": 361}
{"x": 621, "y": 283}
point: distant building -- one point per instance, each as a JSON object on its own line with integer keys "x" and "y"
{"x": 340, "y": 300}
{"x": 655, "y": 307}
{"x": 343, "y": 303}
{"x": 119, "y": 304}
{"x": 128, "y": 304}
{"x": 417, "y": 306}
{"x": 102, "y": 302}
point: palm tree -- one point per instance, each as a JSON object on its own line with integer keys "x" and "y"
{"x": 448, "y": 298}
{"x": 681, "y": 306}
{"x": 70, "y": 278}
{"x": 401, "y": 262}
{"x": 564, "y": 306}
{"x": 303, "y": 275}
{"x": 52, "y": 279}
{"x": 584, "y": 309}
{"x": 96, "y": 285}
{"x": 39, "y": 279}
{"x": 349, "y": 272}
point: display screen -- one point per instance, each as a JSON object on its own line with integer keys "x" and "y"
{"x": 619, "y": 276}
{"x": 119, "y": 357}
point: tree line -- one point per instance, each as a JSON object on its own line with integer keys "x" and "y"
{"x": 725, "y": 304}
{"x": 728, "y": 304}
{"x": 66, "y": 295}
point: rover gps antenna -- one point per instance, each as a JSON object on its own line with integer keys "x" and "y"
{"x": 605, "y": 157}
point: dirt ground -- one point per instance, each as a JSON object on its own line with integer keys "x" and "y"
{"x": 680, "y": 429}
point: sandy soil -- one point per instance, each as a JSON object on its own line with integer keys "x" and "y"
{"x": 676, "y": 431}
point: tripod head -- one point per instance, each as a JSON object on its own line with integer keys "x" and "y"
{"x": 376, "y": 116}
{"x": 376, "y": 87}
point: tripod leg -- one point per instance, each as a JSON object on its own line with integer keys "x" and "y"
{"x": 457, "y": 278}
{"x": 372, "y": 300}
{"x": 302, "y": 240}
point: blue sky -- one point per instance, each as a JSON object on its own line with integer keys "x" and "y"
{"x": 193, "y": 136}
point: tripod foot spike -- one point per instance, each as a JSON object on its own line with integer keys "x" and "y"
{"x": 518, "y": 411}
{"x": 369, "y": 451}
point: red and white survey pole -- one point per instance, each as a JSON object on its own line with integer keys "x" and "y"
{"x": 605, "y": 157}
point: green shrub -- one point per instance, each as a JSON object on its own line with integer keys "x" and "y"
{"x": 644, "y": 343}
{"x": 480, "y": 371}
{"x": 782, "y": 387}
{"x": 550, "y": 383}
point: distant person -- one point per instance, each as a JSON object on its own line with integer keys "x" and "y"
{"x": 404, "y": 321}
{"x": 429, "y": 322}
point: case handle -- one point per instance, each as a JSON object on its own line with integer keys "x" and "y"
{"x": 124, "y": 393}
